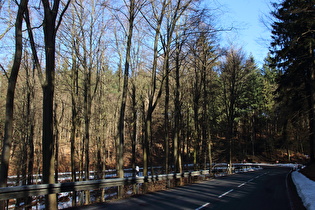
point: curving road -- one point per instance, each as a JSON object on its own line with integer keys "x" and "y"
{"x": 270, "y": 188}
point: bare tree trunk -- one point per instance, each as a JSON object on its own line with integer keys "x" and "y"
{"x": 196, "y": 106}
{"x": 48, "y": 86}
{"x": 74, "y": 120}
{"x": 166, "y": 118}
{"x": 177, "y": 110}
{"x": 210, "y": 154}
{"x": 147, "y": 136}
{"x": 205, "y": 110}
{"x": 72, "y": 140}
{"x": 121, "y": 125}
{"x": 87, "y": 118}
{"x": 30, "y": 136}
{"x": 134, "y": 134}
{"x": 173, "y": 14}
{"x": 8, "y": 130}
{"x": 310, "y": 89}
{"x": 153, "y": 97}
{"x": 56, "y": 139}
{"x": 48, "y": 99}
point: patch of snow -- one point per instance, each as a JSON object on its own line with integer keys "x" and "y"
{"x": 305, "y": 188}
{"x": 107, "y": 196}
{"x": 63, "y": 205}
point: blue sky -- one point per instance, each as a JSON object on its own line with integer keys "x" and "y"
{"x": 249, "y": 31}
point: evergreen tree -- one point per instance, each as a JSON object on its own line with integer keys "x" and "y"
{"x": 269, "y": 109}
{"x": 233, "y": 77}
{"x": 293, "y": 54}
{"x": 250, "y": 104}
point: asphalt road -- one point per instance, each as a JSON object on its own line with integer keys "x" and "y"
{"x": 270, "y": 188}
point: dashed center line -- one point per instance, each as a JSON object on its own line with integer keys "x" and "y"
{"x": 241, "y": 185}
{"x": 220, "y": 196}
{"x": 203, "y": 206}
{"x": 224, "y": 194}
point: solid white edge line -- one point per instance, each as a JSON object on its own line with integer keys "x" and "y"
{"x": 201, "y": 207}
{"x": 220, "y": 196}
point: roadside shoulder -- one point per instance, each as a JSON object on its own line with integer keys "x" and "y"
{"x": 305, "y": 189}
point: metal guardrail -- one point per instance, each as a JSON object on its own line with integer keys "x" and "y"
{"x": 44, "y": 189}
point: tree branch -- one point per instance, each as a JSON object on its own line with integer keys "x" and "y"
{"x": 5, "y": 72}
{"x": 62, "y": 14}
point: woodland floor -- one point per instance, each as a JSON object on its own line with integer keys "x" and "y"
{"x": 309, "y": 171}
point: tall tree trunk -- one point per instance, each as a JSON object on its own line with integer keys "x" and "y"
{"x": 147, "y": 137}
{"x": 196, "y": 98}
{"x": 253, "y": 133}
{"x": 56, "y": 139}
{"x": 210, "y": 154}
{"x": 204, "y": 110}
{"x": 166, "y": 121}
{"x": 87, "y": 120}
{"x": 311, "y": 101}
{"x": 311, "y": 120}
{"x": 121, "y": 123}
{"x": 176, "y": 141}
{"x": 30, "y": 140}
{"x": 48, "y": 86}
{"x": 229, "y": 137}
{"x": 48, "y": 101}
{"x": 8, "y": 130}
{"x": 74, "y": 120}
{"x": 72, "y": 148}
{"x": 152, "y": 94}
{"x": 134, "y": 133}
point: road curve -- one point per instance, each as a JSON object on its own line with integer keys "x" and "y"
{"x": 269, "y": 188}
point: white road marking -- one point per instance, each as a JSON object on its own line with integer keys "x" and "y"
{"x": 241, "y": 185}
{"x": 220, "y": 196}
{"x": 203, "y": 206}
{"x": 224, "y": 194}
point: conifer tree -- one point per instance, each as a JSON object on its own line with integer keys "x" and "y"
{"x": 293, "y": 42}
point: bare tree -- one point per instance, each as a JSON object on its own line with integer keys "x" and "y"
{"x": 7, "y": 141}
{"x": 28, "y": 125}
{"x": 132, "y": 12}
{"x": 86, "y": 23}
{"x": 50, "y": 27}
{"x": 50, "y": 30}
{"x": 154, "y": 92}
{"x": 175, "y": 11}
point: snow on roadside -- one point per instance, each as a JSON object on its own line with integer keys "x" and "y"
{"x": 305, "y": 188}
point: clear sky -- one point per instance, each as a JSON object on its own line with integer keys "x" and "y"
{"x": 246, "y": 17}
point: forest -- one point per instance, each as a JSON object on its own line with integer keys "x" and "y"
{"x": 95, "y": 85}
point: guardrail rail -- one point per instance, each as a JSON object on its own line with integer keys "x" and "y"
{"x": 25, "y": 191}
